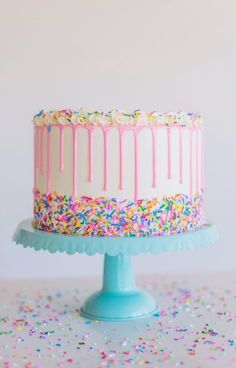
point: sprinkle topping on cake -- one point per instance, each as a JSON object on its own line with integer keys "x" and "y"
{"x": 116, "y": 117}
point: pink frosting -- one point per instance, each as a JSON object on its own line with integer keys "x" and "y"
{"x": 121, "y": 129}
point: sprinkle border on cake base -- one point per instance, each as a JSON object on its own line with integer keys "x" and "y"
{"x": 105, "y": 217}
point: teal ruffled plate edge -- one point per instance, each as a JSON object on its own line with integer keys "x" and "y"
{"x": 26, "y": 235}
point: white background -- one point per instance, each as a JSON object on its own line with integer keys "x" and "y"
{"x": 160, "y": 54}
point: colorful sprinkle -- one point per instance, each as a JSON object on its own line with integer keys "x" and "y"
{"x": 116, "y": 117}
{"x": 110, "y": 217}
{"x": 202, "y": 333}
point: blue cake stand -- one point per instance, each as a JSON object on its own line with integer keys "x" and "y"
{"x": 119, "y": 299}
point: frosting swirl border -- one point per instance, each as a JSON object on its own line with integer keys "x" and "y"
{"x": 116, "y": 117}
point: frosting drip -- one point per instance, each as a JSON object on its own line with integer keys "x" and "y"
{"x": 90, "y": 153}
{"x": 49, "y": 171}
{"x": 180, "y": 156}
{"x": 39, "y": 149}
{"x": 75, "y": 161}
{"x": 62, "y": 148}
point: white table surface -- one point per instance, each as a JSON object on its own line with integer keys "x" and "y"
{"x": 40, "y": 325}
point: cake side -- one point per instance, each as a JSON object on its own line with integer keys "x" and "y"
{"x": 122, "y": 180}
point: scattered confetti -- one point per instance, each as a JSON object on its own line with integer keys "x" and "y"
{"x": 194, "y": 326}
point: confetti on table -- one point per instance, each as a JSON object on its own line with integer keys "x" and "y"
{"x": 194, "y": 326}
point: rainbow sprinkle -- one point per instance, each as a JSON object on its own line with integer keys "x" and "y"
{"x": 116, "y": 117}
{"x": 111, "y": 218}
{"x": 194, "y": 326}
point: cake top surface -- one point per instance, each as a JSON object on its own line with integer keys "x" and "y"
{"x": 116, "y": 117}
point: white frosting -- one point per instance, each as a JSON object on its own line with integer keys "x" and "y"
{"x": 61, "y": 182}
{"x": 116, "y": 117}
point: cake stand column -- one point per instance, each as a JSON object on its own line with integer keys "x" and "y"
{"x": 118, "y": 274}
{"x": 119, "y": 298}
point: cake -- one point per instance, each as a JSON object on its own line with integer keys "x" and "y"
{"x": 117, "y": 174}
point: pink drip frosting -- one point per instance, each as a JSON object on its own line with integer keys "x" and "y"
{"x": 49, "y": 182}
{"x": 202, "y": 164}
{"x": 62, "y": 128}
{"x": 197, "y": 160}
{"x": 136, "y": 161}
{"x": 105, "y": 133}
{"x": 191, "y": 162}
{"x": 121, "y": 130}
{"x": 37, "y": 147}
{"x": 75, "y": 160}
{"x": 181, "y": 155}
{"x": 154, "y": 156}
{"x": 169, "y": 151}
{"x": 90, "y": 153}
{"x": 35, "y": 155}
{"x": 42, "y": 151}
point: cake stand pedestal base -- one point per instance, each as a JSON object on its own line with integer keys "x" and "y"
{"x": 119, "y": 298}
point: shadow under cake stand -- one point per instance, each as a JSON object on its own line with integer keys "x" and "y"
{"x": 119, "y": 299}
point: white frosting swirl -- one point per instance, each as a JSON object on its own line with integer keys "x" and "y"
{"x": 116, "y": 117}
{"x": 121, "y": 117}
{"x": 97, "y": 118}
{"x": 141, "y": 118}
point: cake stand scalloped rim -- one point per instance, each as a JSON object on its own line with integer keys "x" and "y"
{"x": 26, "y": 235}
